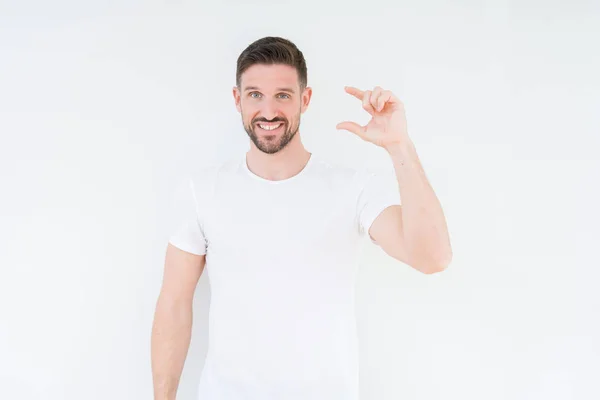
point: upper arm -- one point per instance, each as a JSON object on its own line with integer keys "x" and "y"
{"x": 386, "y": 231}
{"x": 182, "y": 270}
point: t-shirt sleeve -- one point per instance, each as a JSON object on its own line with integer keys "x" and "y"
{"x": 187, "y": 232}
{"x": 379, "y": 191}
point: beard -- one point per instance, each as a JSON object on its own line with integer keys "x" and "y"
{"x": 271, "y": 144}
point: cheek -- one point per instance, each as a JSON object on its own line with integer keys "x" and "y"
{"x": 251, "y": 110}
{"x": 247, "y": 112}
{"x": 291, "y": 111}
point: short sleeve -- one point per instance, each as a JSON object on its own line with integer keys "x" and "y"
{"x": 187, "y": 233}
{"x": 379, "y": 191}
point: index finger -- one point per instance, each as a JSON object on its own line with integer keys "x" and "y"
{"x": 354, "y": 92}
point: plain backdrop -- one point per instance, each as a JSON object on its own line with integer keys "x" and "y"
{"x": 106, "y": 106}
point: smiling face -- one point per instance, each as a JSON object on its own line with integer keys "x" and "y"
{"x": 270, "y": 101}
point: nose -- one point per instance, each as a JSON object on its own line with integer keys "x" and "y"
{"x": 269, "y": 110}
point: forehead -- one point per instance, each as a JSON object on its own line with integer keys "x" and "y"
{"x": 269, "y": 77}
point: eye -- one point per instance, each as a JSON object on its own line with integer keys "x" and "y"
{"x": 285, "y": 94}
{"x": 254, "y": 93}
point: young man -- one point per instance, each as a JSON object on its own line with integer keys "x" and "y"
{"x": 278, "y": 231}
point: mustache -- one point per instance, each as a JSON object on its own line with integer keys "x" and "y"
{"x": 267, "y": 121}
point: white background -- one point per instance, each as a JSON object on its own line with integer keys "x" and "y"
{"x": 104, "y": 108}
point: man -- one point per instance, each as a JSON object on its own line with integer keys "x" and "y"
{"x": 278, "y": 230}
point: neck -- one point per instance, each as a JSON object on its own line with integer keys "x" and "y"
{"x": 281, "y": 165}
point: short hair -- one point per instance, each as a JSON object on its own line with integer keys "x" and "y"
{"x": 272, "y": 50}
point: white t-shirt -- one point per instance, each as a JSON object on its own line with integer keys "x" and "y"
{"x": 281, "y": 258}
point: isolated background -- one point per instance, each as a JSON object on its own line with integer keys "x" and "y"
{"x": 105, "y": 107}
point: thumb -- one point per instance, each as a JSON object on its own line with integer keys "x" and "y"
{"x": 352, "y": 127}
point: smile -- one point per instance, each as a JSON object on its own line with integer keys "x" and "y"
{"x": 270, "y": 127}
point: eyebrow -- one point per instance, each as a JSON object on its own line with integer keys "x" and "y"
{"x": 290, "y": 90}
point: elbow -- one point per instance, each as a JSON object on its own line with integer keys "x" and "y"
{"x": 433, "y": 265}
{"x": 433, "y": 269}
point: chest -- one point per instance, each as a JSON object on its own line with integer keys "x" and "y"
{"x": 283, "y": 222}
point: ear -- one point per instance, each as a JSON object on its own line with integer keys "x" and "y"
{"x": 237, "y": 97}
{"x": 306, "y": 96}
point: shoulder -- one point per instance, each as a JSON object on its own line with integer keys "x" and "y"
{"x": 200, "y": 182}
{"x": 335, "y": 170}
{"x": 208, "y": 174}
{"x": 341, "y": 174}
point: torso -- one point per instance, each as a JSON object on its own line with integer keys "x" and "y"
{"x": 281, "y": 259}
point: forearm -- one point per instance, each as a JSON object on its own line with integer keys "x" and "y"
{"x": 423, "y": 222}
{"x": 171, "y": 334}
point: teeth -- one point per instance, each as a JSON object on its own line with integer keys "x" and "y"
{"x": 269, "y": 128}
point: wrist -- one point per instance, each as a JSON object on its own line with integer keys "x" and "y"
{"x": 400, "y": 148}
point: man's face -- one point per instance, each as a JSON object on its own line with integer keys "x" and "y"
{"x": 271, "y": 103}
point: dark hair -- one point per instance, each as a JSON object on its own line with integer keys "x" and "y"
{"x": 272, "y": 50}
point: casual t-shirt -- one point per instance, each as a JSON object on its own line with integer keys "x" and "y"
{"x": 281, "y": 258}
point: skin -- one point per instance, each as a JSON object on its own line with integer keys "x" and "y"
{"x": 273, "y": 93}
{"x": 414, "y": 233}
{"x": 273, "y": 155}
